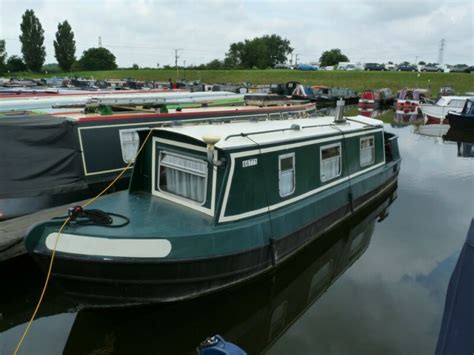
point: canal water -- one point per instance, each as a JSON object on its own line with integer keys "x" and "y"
{"x": 373, "y": 285}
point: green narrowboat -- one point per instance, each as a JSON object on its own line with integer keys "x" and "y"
{"x": 212, "y": 205}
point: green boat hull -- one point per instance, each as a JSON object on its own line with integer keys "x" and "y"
{"x": 122, "y": 282}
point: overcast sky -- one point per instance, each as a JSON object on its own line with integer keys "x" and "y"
{"x": 146, "y": 32}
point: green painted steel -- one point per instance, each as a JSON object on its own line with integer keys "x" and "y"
{"x": 253, "y": 189}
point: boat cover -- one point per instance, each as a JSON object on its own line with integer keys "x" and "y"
{"x": 456, "y": 332}
{"x": 39, "y": 154}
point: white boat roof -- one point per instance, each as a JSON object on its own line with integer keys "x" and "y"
{"x": 445, "y": 100}
{"x": 170, "y": 97}
{"x": 271, "y": 131}
{"x": 79, "y": 114}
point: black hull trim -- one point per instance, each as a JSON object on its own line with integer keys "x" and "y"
{"x": 113, "y": 283}
{"x": 460, "y": 122}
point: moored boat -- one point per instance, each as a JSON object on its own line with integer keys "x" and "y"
{"x": 463, "y": 119}
{"x": 56, "y": 159}
{"x": 376, "y": 98}
{"x": 327, "y": 95}
{"x": 54, "y": 103}
{"x": 210, "y": 206}
{"x": 408, "y": 100}
{"x": 436, "y": 113}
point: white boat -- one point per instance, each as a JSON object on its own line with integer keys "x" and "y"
{"x": 436, "y": 113}
{"x": 47, "y": 104}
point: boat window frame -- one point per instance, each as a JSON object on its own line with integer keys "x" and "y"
{"x": 157, "y": 176}
{"x": 454, "y": 103}
{"x": 327, "y": 146}
{"x": 360, "y": 151}
{"x": 127, "y": 130}
{"x": 280, "y": 158}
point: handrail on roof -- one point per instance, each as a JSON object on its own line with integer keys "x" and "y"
{"x": 293, "y": 127}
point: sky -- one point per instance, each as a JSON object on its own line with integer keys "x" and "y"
{"x": 146, "y": 32}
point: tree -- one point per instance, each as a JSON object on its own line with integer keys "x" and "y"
{"x": 65, "y": 46}
{"x": 32, "y": 39}
{"x": 421, "y": 62}
{"x": 97, "y": 59}
{"x": 214, "y": 65}
{"x": 16, "y": 64}
{"x": 332, "y": 57}
{"x": 260, "y": 52}
{"x": 3, "y": 57}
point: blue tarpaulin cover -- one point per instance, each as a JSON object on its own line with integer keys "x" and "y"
{"x": 457, "y": 329}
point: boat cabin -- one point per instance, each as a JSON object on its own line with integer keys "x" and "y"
{"x": 468, "y": 109}
{"x": 455, "y": 102}
{"x": 234, "y": 171}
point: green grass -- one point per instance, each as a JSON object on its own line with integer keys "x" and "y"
{"x": 357, "y": 80}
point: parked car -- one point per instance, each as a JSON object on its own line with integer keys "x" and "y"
{"x": 407, "y": 67}
{"x": 458, "y": 68}
{"x": 389, "y": 66}
{"x": 306, "y": 67}
{"x": 469, "y": 69}
{"x": 282, "y": 66}
{"x": 374, "y": 66}
{"x": 432, "y": 67}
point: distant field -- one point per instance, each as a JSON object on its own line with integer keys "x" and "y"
{"x": 358, "y": 80}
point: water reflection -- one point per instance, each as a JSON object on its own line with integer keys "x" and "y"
{"x": 254, "y": 315}
{"x": 464, "y": 140}
{"x": 431, "y": 130}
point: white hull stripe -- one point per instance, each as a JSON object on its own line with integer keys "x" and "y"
{"x": 95, "y": 246}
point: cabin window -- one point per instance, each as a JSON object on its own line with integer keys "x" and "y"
{"x": 286, "y": 170}
{"x": 129, "y": 141}
{"x": 367, "y": 151}
{"x": 183, "y": 176}
{"x": 330, "y": 162}
{"x": 457, "y": 103}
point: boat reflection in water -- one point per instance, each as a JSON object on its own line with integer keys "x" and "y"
{"x": 374, "y": 112}
{"x": 253, "y": 315}
{"x": 464, "y": 140}
{"x": 431, "y": 130}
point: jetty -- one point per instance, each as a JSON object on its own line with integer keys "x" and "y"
{"x": 13, "y": 231}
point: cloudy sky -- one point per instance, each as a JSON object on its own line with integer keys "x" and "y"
{"x": 146, "y": 32}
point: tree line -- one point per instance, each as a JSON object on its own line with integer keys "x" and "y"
{"x": 257, "y": 53}
{"x": 34, "y": 52}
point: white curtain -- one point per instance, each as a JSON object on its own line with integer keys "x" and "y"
{"x": 330, "y": 168}
{"x": 366, "y": 156}
{"x": 367, "y": 152}
{"x": 130, "y": 141}
{"x": 287, "y": 182}
{"x": 184, "y": 177}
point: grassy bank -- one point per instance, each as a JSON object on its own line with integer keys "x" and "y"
{"x": 353, "y": 79}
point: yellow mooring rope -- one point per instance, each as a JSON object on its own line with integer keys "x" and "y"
{"x": 48, "y": 275}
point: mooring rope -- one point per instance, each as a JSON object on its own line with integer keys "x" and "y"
{"x": 53, "y": 254}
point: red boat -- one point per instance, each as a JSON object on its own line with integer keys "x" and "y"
{"x": 376, "y": 98}
{"x": 407, "y": 104}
